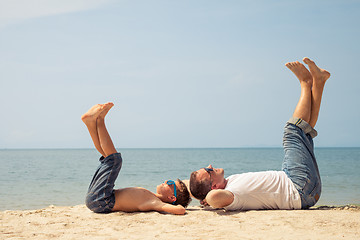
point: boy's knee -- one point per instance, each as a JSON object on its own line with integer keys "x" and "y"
{"x": 89, "y": 201}
{"x": 92, "y": 203}
{"x": 97, "y": 205}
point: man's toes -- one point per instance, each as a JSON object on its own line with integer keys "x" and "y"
{"x": 307, "y": 60}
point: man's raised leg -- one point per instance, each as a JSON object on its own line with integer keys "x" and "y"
{"x": 303, "y": 108}
{"x": 319, "y": 78}
{"x": 299, "y": 161}
{"x": 90, "y": 118}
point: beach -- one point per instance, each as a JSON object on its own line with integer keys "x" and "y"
{"x": 34, "y": 179}
{"x": 77, "y": 222}
{"x": 61, "y": 177}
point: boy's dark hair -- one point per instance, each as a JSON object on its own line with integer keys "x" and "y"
{"x": 183, "y": 196}
{"x": 199, "y": 189}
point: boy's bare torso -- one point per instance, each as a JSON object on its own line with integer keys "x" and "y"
{"x": 137, "y": 199}
{"x": 134, "y": 199}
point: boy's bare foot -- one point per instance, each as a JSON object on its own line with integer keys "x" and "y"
{"x": 301, "y": 73}
{"x": 106, "y": 108}
{"x": 92, "y": 114}
{"x": 319, "y": 75}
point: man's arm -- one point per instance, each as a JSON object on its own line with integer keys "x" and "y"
{"x": 219, "y": 198}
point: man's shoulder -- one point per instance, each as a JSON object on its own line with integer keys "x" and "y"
{"x": 247, "y": 178}
{"x": 253, "y": 174}
{"x": 235, "y": 177}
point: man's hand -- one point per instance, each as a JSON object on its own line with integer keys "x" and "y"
{"x": 204, "y": 203}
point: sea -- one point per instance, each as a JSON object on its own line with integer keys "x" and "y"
{"x": 37, "y": 178}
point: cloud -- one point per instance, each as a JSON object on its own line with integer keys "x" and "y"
{"x": 14, "y": 11}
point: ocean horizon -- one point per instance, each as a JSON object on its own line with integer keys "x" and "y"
{"x": 37, "y": 178}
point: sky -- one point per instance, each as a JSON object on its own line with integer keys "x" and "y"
{"x": 182, "y": 74}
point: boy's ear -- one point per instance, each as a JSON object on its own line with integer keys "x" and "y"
{"x": 172, "y": 198}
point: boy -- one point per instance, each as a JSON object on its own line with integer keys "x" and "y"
{"x": 171, "y": 196}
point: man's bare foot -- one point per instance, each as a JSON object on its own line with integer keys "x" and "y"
{"x": 92, "y": 114}
{"x": 301, "y": 73}
{"x": 106, "y": 108}
{"x": 319, "y": 75}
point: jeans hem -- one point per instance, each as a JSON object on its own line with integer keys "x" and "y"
{"x": 304, "y": 126}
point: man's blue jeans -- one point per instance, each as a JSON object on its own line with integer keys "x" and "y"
{"x": 299, "y": 161}
{"x": 101, "y": 194}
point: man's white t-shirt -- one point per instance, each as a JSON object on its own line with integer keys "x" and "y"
{"x": 262, "y": 190}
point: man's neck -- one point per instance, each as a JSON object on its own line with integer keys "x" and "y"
{"x": 225, "y": 183}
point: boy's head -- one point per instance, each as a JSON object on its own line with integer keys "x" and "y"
{"x": 174, "y": 192}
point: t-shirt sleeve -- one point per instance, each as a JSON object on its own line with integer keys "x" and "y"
{"x": 237, "y": 204}
{"x": 234, "y": 205}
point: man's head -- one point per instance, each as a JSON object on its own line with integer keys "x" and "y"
{"x": 174, "y": 192}
{"x": 204, "y": 180}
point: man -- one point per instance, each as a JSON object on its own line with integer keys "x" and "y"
{"x": 171, "y": 196}
{"x": 298, "y": 185}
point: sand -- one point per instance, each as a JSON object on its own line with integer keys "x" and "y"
{"x": 77, "y": 222}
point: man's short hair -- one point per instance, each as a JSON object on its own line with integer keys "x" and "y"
{"x": 199, "y": 189}
{"x": 183, "y": 196}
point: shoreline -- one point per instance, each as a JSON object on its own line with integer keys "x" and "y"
{"x": 78, "y": 222}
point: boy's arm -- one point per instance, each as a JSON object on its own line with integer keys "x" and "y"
{"x": 173, "y": 209}
{"x": 160, "y": 206}
{"x": 219, "y": 198}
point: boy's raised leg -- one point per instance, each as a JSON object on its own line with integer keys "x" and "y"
{"x": 90, "y": 118}
{"x": 100, "y": 197}
{"x": 303, "y": 108}
{"x": 319, "y": 78}
{"x": 104, "y": 137}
